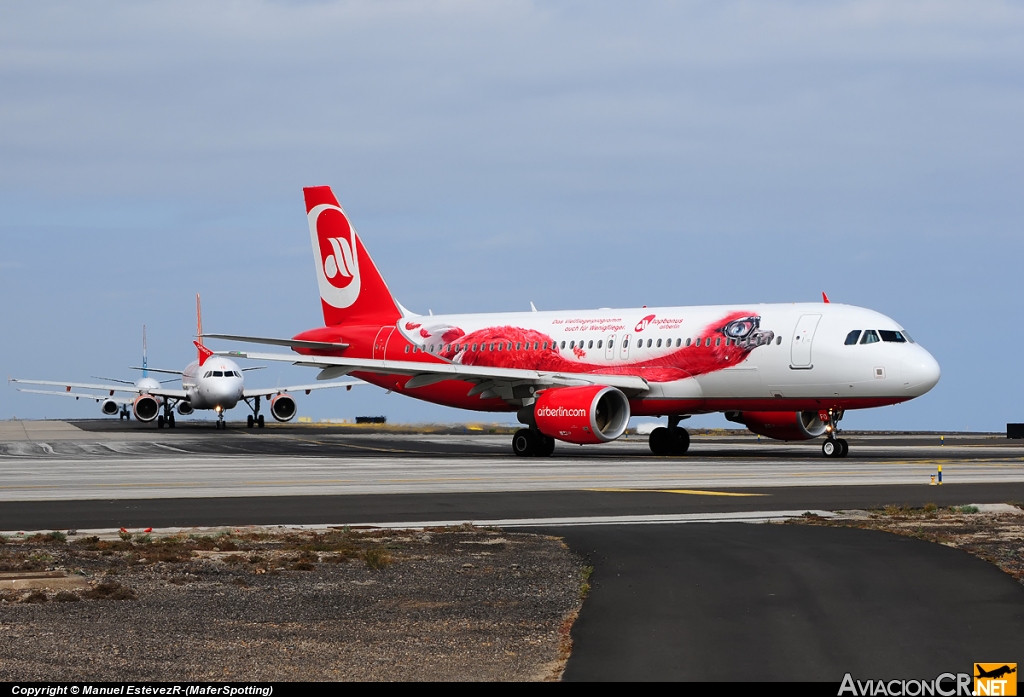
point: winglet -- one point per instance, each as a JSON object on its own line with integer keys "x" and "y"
{"x": 824, "y": 298}
{"x": 204, "y": 352}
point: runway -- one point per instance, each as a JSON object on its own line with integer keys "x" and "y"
{"x": 147, "y": 464}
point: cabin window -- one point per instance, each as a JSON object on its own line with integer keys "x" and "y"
{"x": 778, "y": 342}
{"x": 640, "y": 343}
{"x": 687, "y": 341}
{"x": 545, "y": 346}
{"x": 599, "y": 342}
{"x": 870, "y": 337}
{"x": 407, "y": 348}
{"x": 563, "y": 343}
{"x": 611, "y": 343}
{"x": 590, "y": 344}
{"x": 852, "y": 337}
{"x": 501, "y": 345}
{"x": 891, "y": 336}
{"x": 718, "y": 341}
{"x": 536, "y": 345}
{"x": 650, "y": 342}
{"x": 518, "y": 344}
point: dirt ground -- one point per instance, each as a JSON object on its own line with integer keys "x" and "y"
{"x": 259, "y": 605}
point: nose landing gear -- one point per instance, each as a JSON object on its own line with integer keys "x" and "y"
{"x": 833, "y": 446}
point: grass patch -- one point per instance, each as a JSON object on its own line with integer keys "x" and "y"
{"x": 965, "y": 509}
{"x": 587, "y": 571}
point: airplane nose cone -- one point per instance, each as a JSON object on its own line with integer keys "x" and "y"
{"x": 920, "y": 372}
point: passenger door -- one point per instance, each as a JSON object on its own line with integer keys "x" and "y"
{"x": 624, "y": 348}
{"x": 380, "y": 344}
{"x": 609, "y": 351}
{"x": 803, "y": 337}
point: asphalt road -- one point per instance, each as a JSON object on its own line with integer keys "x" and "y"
{"x": 730, "y": 602}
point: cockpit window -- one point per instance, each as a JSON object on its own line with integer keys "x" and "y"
{"x": 218, "y": 374}
{"x": 907, "y": 336}
{"x": 894, "y": 337}
{"x": 208, "y": 373}
{"x": 852, "y": 337}
{"x": 870, "y": 337}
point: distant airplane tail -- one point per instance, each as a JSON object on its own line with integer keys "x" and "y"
{"x": 351, "y": 287}
{"x": 204, "y": 352}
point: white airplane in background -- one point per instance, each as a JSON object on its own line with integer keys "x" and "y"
{"x": 786, "y": 371}
{"x": 209, "y": 382}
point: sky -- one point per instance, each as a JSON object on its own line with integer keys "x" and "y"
{"x": 572, "y": 154}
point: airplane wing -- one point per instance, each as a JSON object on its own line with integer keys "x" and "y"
{"x": 156, "y": 370}
{"x": 300, "y": 388}
{"x": 490, "y": 382}
{"x": 82, "y": 395}
{"x": 109, "y": 389}
{"x": 291, "y": 343}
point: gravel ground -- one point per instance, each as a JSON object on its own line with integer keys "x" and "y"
{"x": 452, "y": 604}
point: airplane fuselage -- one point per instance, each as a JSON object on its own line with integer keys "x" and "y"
{"x": 217, "y": 384}
{"x": 758, "y": 357}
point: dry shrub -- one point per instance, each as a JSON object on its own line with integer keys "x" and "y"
{"x": 377, "y": 558}
{"x": 35, "y": 597}
{"x": 110, "y": 590}
{"x": 66, "y": 597}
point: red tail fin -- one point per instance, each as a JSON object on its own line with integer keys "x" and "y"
{"x": 204, "y": 352}
{"x": 351, "y": 287}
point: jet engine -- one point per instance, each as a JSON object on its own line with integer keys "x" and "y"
{"x": 282, "y": 407}
{"x": 145, "y": 408}
{"x": 185, "y": 407}
{"x": 109, "y": 407}
{"x": 590, "y": 414}
{"x": 781, "y": 425}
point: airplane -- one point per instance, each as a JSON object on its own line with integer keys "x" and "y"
{"x": 209, "y": 382}
{"x": 785, "y": 371}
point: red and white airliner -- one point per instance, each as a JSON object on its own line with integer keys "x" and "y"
{"x": 210, "y": 382}
{"x": 786, "y": 371}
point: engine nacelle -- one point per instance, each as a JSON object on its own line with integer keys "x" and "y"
{"x": 145, "y": 408}
{"x": 185, "y": 407}
{"x": 282, "y": 407}
{"x": 590, "y": 414}
{"x": 109, "y": 407}
{"x": 781, "y": 425}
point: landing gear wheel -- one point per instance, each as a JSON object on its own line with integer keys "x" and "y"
{"x": 660, "y": 441}
{"x": 680, "y": 441}
{"x": 170, "y": 421}
{"x": 260, "y": 422}
{"x": 831, "y": 448}
{"x": 545, "y": 446}
{"x": 249, "y": 421}
{"x": 160, "y": 421}
{"x": 844, "y": 447}
{"x": 523, "y": 443}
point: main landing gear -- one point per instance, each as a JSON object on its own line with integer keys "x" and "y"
{"x": 528, "y": 442}
{"x": 833, "y": 446}
{"x": 167, "y": 417}
{"x": 255, "y": 418}
{"x": 670, "y": 441}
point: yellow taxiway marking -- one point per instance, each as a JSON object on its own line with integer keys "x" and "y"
{"x": 694, "y": 492}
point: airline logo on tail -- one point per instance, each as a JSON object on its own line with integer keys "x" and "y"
{"x": 334, "y": 241}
